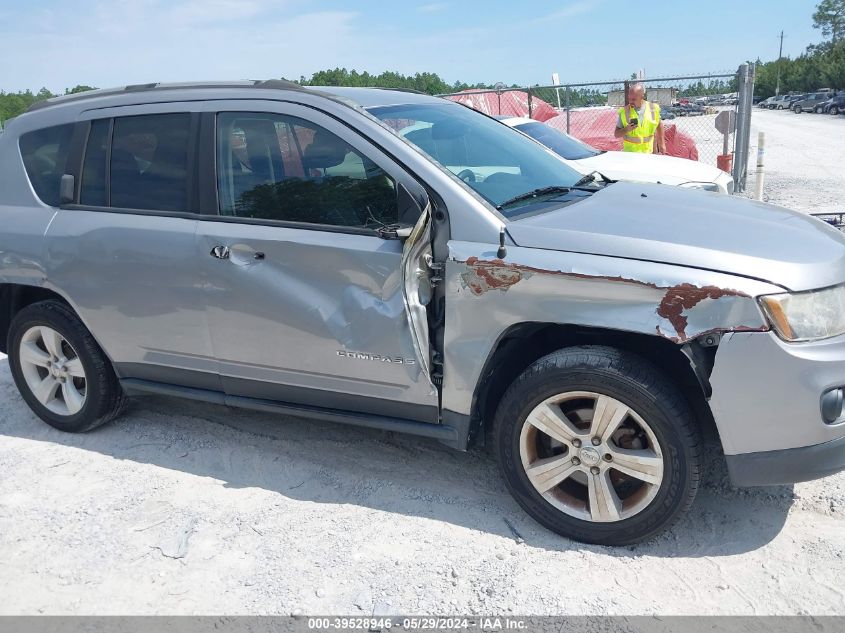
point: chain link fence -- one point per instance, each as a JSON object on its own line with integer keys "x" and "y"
{"x": 689, "y": 107}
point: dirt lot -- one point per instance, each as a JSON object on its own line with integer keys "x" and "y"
{"x": 184, "y": 508}
{"x": 805, "y": 159}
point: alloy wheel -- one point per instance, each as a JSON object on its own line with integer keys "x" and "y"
{"x": 53, "y": 371}
{"x": 591, "y": 456}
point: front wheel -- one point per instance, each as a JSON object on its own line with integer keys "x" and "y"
{"x": 598, "y": 445}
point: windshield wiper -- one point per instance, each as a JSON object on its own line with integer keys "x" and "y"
{"x": 590, "y": 178}
{"x": 542, "y": 191}
{"x": 586, "y": 180}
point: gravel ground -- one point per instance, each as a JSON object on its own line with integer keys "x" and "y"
{"x": 804, "y": 161}
{"x": 184, "y": 508}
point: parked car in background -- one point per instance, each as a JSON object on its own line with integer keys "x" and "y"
{"x": 726, "y": 99}
{"x": 790, "y": 100}
{"x": 401, "y": 262}
{"x": 777, "y": 103}
{"x": 809, "y": 102}
{"x": 783, "y": 102}
{"x": 688, "y": 109}
{"x": 834, "y": 105}
{"x": 667, "y": 170}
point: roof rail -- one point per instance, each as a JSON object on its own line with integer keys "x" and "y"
{"x": 266, "y": 84}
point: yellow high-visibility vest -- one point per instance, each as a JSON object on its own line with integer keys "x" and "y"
{"x": 641, "y": 138}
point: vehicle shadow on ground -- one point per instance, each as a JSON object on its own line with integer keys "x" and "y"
{"x": 337, "y": 464}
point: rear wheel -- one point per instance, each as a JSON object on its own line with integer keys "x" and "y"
{"x": 59, "y": 369}
{"x": 834, "y": 110}
{"x": 797, "y": 110}
{"x": 597, "y": 445}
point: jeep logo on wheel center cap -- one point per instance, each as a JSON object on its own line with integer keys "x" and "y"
{"x": 590, "y": 456}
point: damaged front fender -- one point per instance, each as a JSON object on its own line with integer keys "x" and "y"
{"x": 488, "y": 295}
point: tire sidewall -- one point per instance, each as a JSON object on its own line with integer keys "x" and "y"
{"x": 677, "y": 480}
{"x": 45, "y": 316}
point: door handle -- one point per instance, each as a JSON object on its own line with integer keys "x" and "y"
{"x": 220, "y": 252}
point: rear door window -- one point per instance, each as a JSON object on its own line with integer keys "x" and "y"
{"x": 45, "y": 154}
{"x": 145, "y": 166}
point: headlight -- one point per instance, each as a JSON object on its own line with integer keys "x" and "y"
{"x": 804, "y": 316}
{"x": 706, "y": 186}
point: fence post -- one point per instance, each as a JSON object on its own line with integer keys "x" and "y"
{"x": 761, "y": 169}
{"x": 530, "y": 109}
{"x": 743, "y": 125}
{"x": 567, "y": 109}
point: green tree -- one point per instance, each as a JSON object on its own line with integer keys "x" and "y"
{"x": 430, "y": 83}
{"x": 830, "y": 18}
{"x": 78, "y": 89}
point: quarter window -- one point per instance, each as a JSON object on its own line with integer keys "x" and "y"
{"x": 147, "y": 166}
{"x": 44, "y": 154}
{"x": 284, "y": 168}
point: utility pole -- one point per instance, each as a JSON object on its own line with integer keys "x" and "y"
{"x": 780, "y": 54}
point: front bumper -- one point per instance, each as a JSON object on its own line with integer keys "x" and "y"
{"x": 789, "y": 466}
{"x": 767, "y": 405}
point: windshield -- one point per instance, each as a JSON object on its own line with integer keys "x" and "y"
{"x": 494, "y": 160}
{"x": 559, "y": 142}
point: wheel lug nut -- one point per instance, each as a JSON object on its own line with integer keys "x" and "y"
{"x": 595, "y": 470}
{"x": 596, "y": 441}
{"x": 576, "y": 461}
{"x": 576, "y": 443}
{"x": 608, "y": 457}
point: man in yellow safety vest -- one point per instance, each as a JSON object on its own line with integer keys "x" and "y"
{"x": 639, "y": 124}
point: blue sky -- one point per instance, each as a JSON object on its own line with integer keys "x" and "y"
{"x": 58, "y": 43}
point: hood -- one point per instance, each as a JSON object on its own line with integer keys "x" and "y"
{"x": 668, "y": 170}
{"x": 693, "y": 228}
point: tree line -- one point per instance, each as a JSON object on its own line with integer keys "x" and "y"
{"x": 821, "y": 66}
{"x": 14, "y": 103}
{"x": 429, "y": 83}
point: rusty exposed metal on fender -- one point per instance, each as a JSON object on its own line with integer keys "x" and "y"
{"x": 482, "y": 276}
{"x": 685, "y": 297}
{"x": 496, "y": 274}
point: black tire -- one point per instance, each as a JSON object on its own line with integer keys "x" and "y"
{"x": 104, "y": 398}
{"x": 636, "y": 383}
{"x": 797, "y": 110}
{"x": 834, "y": 110}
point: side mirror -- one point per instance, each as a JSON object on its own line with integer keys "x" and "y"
{"x": 66, "y": 187}
{"x": 410, "y": 206}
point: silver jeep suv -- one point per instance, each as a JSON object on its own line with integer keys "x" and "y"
{"x": 401, "y": 262}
